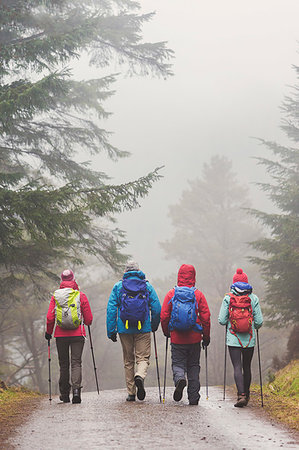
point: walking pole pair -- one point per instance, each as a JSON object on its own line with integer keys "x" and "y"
{"x": 49, "y": 360}
{"x": 94, "y": 364}
{"x": 157, "y": 366}
{"x": 165, "y": 369}
{"x": 225, "y": 355}
{"x": 260, "y": 369}
{"x": 207, "y": 384}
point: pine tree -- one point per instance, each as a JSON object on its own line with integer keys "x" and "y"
{"x": 280, "y": 261}
{"x": 212, "y": 229}
{"x": 48, "y": 200}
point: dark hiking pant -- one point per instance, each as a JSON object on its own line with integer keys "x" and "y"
{"x": 241, "y": 360}
{"x": 185, "y": 359}
{"x": 64, "y": 345}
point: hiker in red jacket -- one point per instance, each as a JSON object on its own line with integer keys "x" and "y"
{"x": 70, "y": 309}
{"x": 185, "y": 343}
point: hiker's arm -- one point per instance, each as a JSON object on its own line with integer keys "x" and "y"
{"x": 166, "y": 312}
{"x": 112, "y": 312}
{"x": 204, "y": 315}
{"x": 257, "y": 314}
{"x": 224, "y": 312}
{"x": 51, "y": 316}
{"x": 155, "y": 308}
{"x": 85, "y": 308}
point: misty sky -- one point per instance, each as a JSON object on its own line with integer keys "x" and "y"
{"x": 232, "y": 68}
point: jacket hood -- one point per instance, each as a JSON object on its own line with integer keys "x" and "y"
{"x": 186, "y": 275}
{"x": 240, "y": 288}
{"x": 69, "y": 284}
{"x": 134, "y": 273}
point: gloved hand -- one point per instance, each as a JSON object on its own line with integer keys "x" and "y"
{"x": 113, "y": 337}
{"x": 48, "y": 336}
{"x": 205, "y": 342}
{"x": 154, "y": 329}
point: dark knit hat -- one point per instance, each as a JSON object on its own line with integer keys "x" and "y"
{"x": 240, "y": 276}
{"x": 67, "y": 275}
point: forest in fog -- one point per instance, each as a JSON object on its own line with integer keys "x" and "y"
{"x": 126, "y": 131}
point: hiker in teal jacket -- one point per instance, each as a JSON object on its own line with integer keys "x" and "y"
{"x": 136, "y": 341}
{"x": 241, "y": 345}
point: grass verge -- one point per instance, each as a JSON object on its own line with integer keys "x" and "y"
{"x": 281, "y": 396}
{"x": 16, "y": 404}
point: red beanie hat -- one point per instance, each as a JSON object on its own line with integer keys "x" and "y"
{"x": 240, "y": 276}
{"x": 67, "y": 275}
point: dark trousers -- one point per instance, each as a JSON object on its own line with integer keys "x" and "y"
{"x": 185, "y": 359}
{"x": 241, "y": 360}
{"x": 64, "y": 345}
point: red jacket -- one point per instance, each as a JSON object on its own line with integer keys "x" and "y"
{"x": 85, "y": 310}
{"x": 186, "y": 277}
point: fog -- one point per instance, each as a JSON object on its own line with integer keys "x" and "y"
{"x": 232, "y": 67}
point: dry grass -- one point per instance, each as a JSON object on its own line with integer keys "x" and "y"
{"x": 16, "y": 404}
{"x": 281, "y": 396}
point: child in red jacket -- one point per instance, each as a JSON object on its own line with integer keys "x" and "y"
{"x": 185, "y": 344}
{"x": 70, "y": 309}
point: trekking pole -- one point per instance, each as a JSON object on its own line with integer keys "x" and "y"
{"x": 157, "y": 365}
{"x": 49, "y": 360}
{"x": 259, "y": 358}
{"x": 225, "y": 355}
{"x": 207, "y": 384}
{"x": 165, "y": 369}
{"x": 94, "y": 364}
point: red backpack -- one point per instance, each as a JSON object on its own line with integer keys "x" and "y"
{"x": 240, "y": 315}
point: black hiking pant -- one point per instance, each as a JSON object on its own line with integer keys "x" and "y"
{"x": 241, "y": 360}
{"x": 185, "y": 359}
{"x": 64, "y": 345}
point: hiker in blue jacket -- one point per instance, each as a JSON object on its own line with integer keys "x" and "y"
{"x": 241, "y": 344}
{"x": 133, "y": 311}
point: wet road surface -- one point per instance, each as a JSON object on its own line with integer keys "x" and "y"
{"x": 107, "y": 421}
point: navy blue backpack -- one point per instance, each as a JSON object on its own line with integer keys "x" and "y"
{"x": 134, "y": 309}
{"x": 183, "y": 315}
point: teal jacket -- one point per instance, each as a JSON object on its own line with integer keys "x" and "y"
{"x": 223, "y": 319}
{"x": 114, "y": 322}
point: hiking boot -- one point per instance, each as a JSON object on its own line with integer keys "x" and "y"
{"x": 140, "y": 387}
{"x": 65, "y": 398}
{"x": 247, "y": 398}
{"x": 130, "y": 398}
{"x": 241, "y": 401}
{"x": 194, "y": 402}
{"x": 179, "y": 387}
{"x": 76, "y": 396}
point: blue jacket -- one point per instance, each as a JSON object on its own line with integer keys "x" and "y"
{"x": 223, "y": 318}
{"x": 116, "y": 325}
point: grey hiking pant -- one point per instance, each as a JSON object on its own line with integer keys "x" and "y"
{"x": 64, "y": 345}
{"x": 185, "y": 359}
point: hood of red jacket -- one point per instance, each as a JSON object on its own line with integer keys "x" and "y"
{"x": 69, "y": 284}
{"x": 186, "y": 275}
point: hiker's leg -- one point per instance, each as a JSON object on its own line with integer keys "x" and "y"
{"x": 142, "y": 342}
{"x": 193, "y": 369}
{"x": 178, "y": 361}
{"x": 127, "y": 342}
{"x": 247, "y": 354}
{"x": 235, "y": 356}
{"x": 77, "y": 344}
{"x": 62, "y": 344}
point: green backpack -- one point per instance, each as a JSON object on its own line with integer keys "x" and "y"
{"x": 67, "y": 308}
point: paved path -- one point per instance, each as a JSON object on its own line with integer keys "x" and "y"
{"x": 106, "y": 421}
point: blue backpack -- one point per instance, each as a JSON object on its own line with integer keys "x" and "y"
{"x": 134, "y": 309}
{"x": 183, "y": 315}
